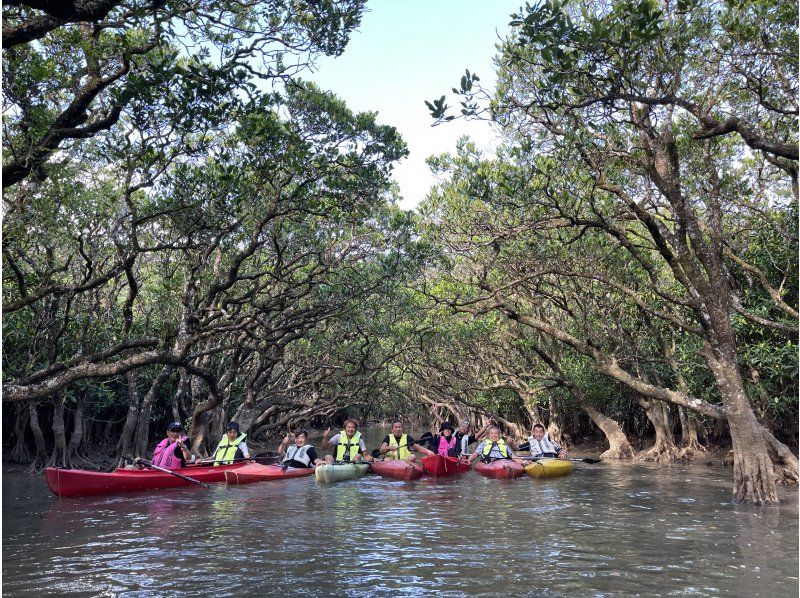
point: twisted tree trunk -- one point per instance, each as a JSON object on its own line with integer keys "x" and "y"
{"x": 59, "y": 457}
{"x": 124, "y": 445}
{"x": 664, "y": 449}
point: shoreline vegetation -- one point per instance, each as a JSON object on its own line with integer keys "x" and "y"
{"x": 193, "y": 232}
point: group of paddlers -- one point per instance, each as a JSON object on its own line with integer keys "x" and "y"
{"x": 349, "y": 447}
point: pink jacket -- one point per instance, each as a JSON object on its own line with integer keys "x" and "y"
{"x": 164, "y": 454}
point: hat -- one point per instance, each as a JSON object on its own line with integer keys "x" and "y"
{"x": 232, "y": 426}
{"x": 175, "y": 427}
{"x": 447, "y": 426}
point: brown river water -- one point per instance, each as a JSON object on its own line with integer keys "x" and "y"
{"x": 610, "y": 529}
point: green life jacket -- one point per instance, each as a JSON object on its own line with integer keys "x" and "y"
{"x": 501, "y": 446}
{"x": 401, "y": 453}
{"x": 226, "y": 450}
{"x": 347, "y": 449}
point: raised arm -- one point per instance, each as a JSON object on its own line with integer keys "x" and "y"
{"x": 482, "y": 431}
{"x": 436, "y": 416}
{"x": 325, "y": 443}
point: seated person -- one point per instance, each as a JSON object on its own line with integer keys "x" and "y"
{"x": 446, "y": 442}
{"x": 172, "y": 452}
{"x": 542, "y": 446}
{"x": 350, "y": 447}
{"x": 493, "y": 448}
{"x": 299, "y": 454}
{"x": 398, "y": 445}
{"x": 232, "y": 447}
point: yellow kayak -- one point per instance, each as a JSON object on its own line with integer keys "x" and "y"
{"x": 547, "y": 467}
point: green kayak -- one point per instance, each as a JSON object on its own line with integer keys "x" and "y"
{"x": 340, "y": 471}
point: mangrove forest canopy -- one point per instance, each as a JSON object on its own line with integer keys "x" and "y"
{"x": 193, "y": 232}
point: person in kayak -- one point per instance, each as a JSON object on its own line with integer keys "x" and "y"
{"x": 172, "y": 452}
{"x": 464, "y": 438}
{"x": 462, "y": 434}
{"x": 446, "y": 442}
{"x": 542, "y": 446}
{"x": 398, "y": 445}
{"x": 493, "y": 448}
{"x": 350, "y": 447}
{"x": 300, "y": 454}
{"x": 232, "y": 447}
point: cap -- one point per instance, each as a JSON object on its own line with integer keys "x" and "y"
{"x": 446, "y": 426}
{"x": 175, "y": 427}
{"x": 232, "y": 426}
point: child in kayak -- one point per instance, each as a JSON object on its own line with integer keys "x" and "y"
{"x": 299, "y": 454}
{"x": 542, "y": 446}
{"x": 494, "y": 448}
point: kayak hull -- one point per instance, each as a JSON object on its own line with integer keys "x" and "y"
{"x": 255, "y": 472}
{"x": 441, "y": 466}
{"x": 503, "y": 469}
{"x": 79, "y": 482}
{"x": 401, "y": 470}
{"x": 338, "y": 472}
{"x": 549, "y": 468}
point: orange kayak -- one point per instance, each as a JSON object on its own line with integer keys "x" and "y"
{"x": 402, "y": 470}
{"x": 440, "y": 465}
{"x": 501, "y": 468}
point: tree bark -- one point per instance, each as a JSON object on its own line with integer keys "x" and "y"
{"x": 690, "y": 446}
{"x": 20, "y": 452}
{"x": 58, "y": 458}
{"x": 124, "y": 452}
{"x": 618, "y": 445}
{"x": 41, "y": 449}
{"x": 143, "y": 420}
{"x": 664, "y": 449}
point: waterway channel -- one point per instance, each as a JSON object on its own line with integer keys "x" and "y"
{"x": 611, "y": 529}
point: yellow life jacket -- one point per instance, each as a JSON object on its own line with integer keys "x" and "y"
{"x": 347, "y": 449}
{"x": 401, "y": 453}
{"x": 226, "y": 450}
{"x": 501, "y": 446}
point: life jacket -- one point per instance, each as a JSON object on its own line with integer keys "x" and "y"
{"x": 164, "y": 454}
{"x": 501, "y": 446}
{"x": 226, "y": 450}
{"x": 402, "y": 453}
{"x": 347, "y": 450}
{"x": 300, "y": 455}
{"x": 544, "y": 447}
{"x": 447, "y": 447}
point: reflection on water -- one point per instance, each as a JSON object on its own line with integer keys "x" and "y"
{"x": 609, "y": 529}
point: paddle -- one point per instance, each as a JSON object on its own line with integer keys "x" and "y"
{"x": 584, "y": 460}
{"x": 171, "y": 472}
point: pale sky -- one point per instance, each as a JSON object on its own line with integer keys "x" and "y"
{"x": 409, "y": 51}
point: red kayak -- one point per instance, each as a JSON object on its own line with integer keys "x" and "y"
{"x": 440, "y": 465}
{"x": 78, "y": 482}
{"x": 402, "y": 470}
{"x": 254, "y": 472}
{"x": 505, "y": 469}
